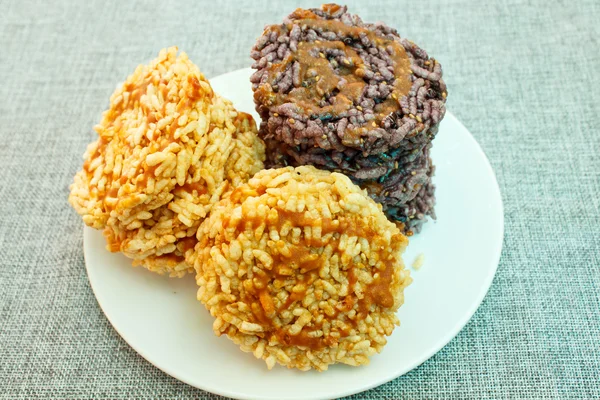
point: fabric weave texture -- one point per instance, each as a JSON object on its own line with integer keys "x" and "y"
{"x": 522, "y": 76}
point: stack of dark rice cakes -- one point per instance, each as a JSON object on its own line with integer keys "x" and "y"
{"x": 352, "y": 97}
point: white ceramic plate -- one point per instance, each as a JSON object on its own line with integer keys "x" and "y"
{"x": 162, "y": 320}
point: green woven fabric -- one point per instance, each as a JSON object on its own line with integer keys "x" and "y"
{"x": 522, "y": 76}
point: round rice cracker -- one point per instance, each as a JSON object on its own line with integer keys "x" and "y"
{"x": 301, "y": 268}
{"x": 113, "y": 177}
{"x": 161, "y": 242}
{"x": 163, "y": 155}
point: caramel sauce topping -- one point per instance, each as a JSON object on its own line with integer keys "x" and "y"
{"x": 303, "y": 263}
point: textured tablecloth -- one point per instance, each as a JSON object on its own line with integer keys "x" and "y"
{"x": 523, "y": 76}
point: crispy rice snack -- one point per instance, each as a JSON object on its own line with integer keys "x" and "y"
{"x": 352, "y": 97}
{"x": 300, "y": 267}
{"x": 168, "y": 149}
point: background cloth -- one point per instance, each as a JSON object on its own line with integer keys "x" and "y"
{"x": 523, "y": 77}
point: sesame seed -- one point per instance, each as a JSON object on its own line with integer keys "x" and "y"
{"x": 359, "y": 108}
{"x": 396, "y": 165}
{"x": 275, "y": 115}
{"x": 419, "y": 118}
{"x": 321, "y": 55}
{"x": 412, "y": 116}
{"x": 394, "y": 96}
{"x": 413, "y": 173}
{"x": 444, "y": 94}
{"x": 291, "y": 121}
{"x": 374, "y": 124}
{"x": 345, "y": 61}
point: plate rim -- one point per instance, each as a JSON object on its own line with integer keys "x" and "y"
{"x": 439, "y": 345}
